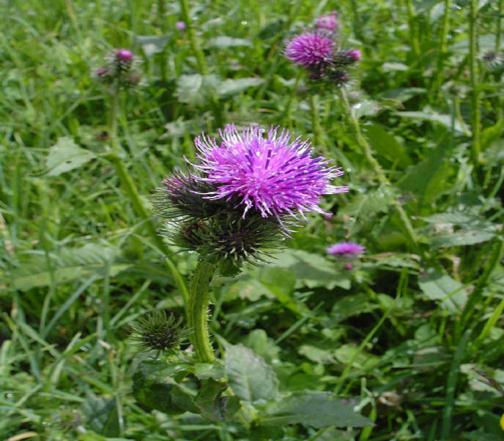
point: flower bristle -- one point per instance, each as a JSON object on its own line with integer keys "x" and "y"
{"x": 158, "y": 331}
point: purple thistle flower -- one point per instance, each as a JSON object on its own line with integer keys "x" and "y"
{"x": 265, "y": 170}
{"x": 310, "y": 49}
{"x": 327, "y": 22}
{"x": 354, "y": 54}
{"x": 180, "y": 25}
{"x": 345, "y": 249}
{"x": 124, "y": 55}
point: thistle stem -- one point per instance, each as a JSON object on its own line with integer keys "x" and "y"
{"x": 315, "y": 120}
{"x": 415, "y": 44}
{"x": 193, "y": 39}
{"x": 198, "y": 310}
{"x": 474, "y": 74}
{"x": 133, "y": 195}
{"x": 443, "y": 48}
{"x": 362, "y": 142}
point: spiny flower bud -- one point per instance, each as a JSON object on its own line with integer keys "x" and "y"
{"x": 119, "y": 69}
{"x": 158, "y": 331}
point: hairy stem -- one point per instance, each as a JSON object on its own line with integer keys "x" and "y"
{"x": 315, "y": 120}
{"x": 198, "y": 311}
{"x": 362, "y": 142}
{"x": 474, "y": 77}
{"x": 443, "y": 49}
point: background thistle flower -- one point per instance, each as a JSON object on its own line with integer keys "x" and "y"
{"x": 310, "y": 49}
{"x": 346, "y": 249}
{"x": 328, "y": 23}
{"x": 119, "y": 69}
{"x": 158, "y": 331}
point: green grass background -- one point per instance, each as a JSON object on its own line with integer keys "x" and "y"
{"x": 416, "y": 334}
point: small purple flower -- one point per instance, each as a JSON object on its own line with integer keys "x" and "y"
{"x": 180, "y": 25}
{"x": 124, "y": 55}
{"x": 310, "y": 49}
{"x": 265, "y": 170}
{"x": 354, "y": 54}
{"x": 327, "y": 22}
{"x": 345, "y": 249}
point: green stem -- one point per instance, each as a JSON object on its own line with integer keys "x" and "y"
{"x": 198, "y": 311}
{"x": 474, "y": 77}
{"x": 315, "y": 119}
{"x": 200, "y": 59}
{"x": 133, "y": 195}
{"x": 443, "y": 49}
{"x": 193, "y": 39}
{"x": 354, "y": 126}
{"x": 162, "y": 56}
{"x": 415, "y": 44}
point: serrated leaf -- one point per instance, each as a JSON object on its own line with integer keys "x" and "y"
{"x": 250, "y": 378}
{"x": 232, "y": 87}
{"x": 65, "y": 155}
{"x": 224, "y": 41}
{"x": 440, "y": 287}
{"x": 315, "y": 409}
{"x": 102, "y": 416}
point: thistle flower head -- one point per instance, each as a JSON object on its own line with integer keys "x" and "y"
{"x": 345, "y": 249}
{"x": 180, "y": 25}
{"x": 310, "y": 49}
{"x": 354, "y": 54}
{"x": 124, "y": 55}
{"x": 267, "y": 171}
{"x": 158, "y": 331}
{"x": 328, "y": 22}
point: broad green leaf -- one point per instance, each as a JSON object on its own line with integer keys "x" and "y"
{"x": 440, "y": 287}
{"x": 312, "y": 270}
{"x": 280, "y": 283}
{"x": 65, "y": 155}
{"x": 196, "y": 89}
{"x": 250, "y": 378}
{"x": 314, "y": 409}
{"x": 435, "y": 117}
{"x": 233, "y": 87}
{"x": 152, "y": 44}
{"x": 212, "y": 404}
{"x": 102, "y": 416}
{"x": 427, "y": 179}
{"x": 459, "y": 229}
{"x": 225, "y": 42}
{"x": 386, "y": 144}
{"x": 68, "y": 264}
{"x": 262, "y": 345}
{"x": 155, "y": 386}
